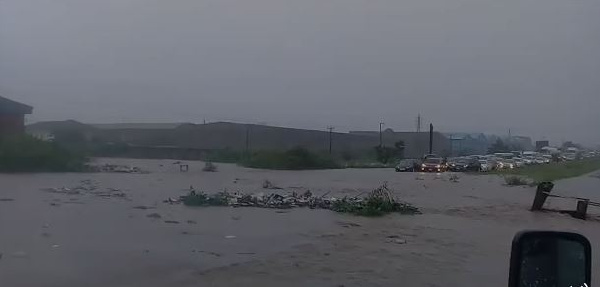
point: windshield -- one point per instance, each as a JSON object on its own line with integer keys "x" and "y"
{"x": 433, "y": 160}
{"x": 294, "y": 143}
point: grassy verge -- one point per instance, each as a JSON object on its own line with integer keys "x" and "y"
{"x": 27, "y": 154}
{"x": 293, "y": 159}
{"x": 556, "y": 171}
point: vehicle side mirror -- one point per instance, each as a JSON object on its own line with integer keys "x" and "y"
{"x": 550, "y": 259}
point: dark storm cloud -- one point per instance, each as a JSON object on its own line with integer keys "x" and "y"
{"x": 478, "y": 65}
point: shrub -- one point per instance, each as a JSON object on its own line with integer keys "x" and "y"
{"x": 202, "y": 199}
{"x": 26, "y": 154}
{"x": 515, "y": 180}
{"x": 293, "y": 159}
{"x": 210, "y": 167}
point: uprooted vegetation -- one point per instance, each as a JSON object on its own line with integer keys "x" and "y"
{"x": 515, "y": 180}
{"x": 377, "y": 203}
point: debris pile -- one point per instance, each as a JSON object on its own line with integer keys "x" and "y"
{"x": 117, "y": 168}
{"x": 88, "y": 187}
{"x": 378, "y": 202}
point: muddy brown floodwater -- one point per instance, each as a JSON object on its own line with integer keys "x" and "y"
{"x": 115, "y": 230}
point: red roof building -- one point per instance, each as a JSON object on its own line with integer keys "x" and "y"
{"x": 12, "y": 116}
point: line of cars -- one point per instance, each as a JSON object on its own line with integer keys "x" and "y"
{"x": 484, "y": 163}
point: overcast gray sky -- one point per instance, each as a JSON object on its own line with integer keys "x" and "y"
{"x": 466, "y": 65}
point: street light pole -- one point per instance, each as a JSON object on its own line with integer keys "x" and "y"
{"x": 330, "y": 128}
{"x": 380, "y": 134}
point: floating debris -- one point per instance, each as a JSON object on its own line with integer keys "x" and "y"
{"x": 118, "y": 168}
{"x": 267, "y": 184}
{"x": 154, "y": 215}
{"x": 7, "y": 199}
{"x": 143, "y": 207}
{"x": 209, "y": 167}
{"x": 347, "y": 224}
{"x": 396, "y": 240}
{"x": 172, "y": 221}
{"x": 454, "y": 178}
{"x": 87, "y": 187}
{"x": 376, "y": 203}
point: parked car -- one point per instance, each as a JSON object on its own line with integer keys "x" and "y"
{"x": 407, "y": 165}
{"x": 519, "y": 162}
{"x": 484, "y": 165}
{"x": 433, "y": 164}
{"x": 509, "y": 163}
{"x": 528, "y": 160}
{"x": 457, "y": 164}
{"x": 506, "y": 164}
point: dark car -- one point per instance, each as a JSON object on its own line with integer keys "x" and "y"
{"x": 463, "y": 165}
{"x": 407, "y": 165}
{"x": 433, "y": 164}
{"x": 458, "y": 165}
{"x": 473, "y": 165}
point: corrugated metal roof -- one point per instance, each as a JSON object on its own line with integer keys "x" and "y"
{"x": 143, "y": 126}
{"x": 8, "y": 106}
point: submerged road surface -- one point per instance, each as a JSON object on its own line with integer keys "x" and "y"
{"x": 112, "y": 229}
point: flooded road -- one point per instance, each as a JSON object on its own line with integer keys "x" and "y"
{"x": 462, "y": 238}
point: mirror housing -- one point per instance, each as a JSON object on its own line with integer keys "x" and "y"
{"x": 550, "y": 259}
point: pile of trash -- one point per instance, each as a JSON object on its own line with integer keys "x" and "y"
{"x": 88, "y": 187}
{"x": 117, "y": 168}
{"x": 378, "y": 202}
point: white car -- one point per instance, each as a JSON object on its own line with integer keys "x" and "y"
{"x": 528, "y": 160}
{"x": 485, "y": 165}
{"x": 519, "y": 162}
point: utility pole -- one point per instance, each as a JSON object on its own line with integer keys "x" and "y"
{"x": 430, "y": 138}
{"x": 247, "y": 138}
{"x": 419, "y": 123}
{"x": 330, "y": 128}
{"x": 380, "y": 134}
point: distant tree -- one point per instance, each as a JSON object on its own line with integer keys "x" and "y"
{"x": 384, "y": 154}
{"x": 347, "y": 155}
{"x": 569, "y": 144}
{"x": 387, "y": 154}
{"x": 515, "y": 146}
{"x": 499, "y": 146}
{"x": 400, "y": 147}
